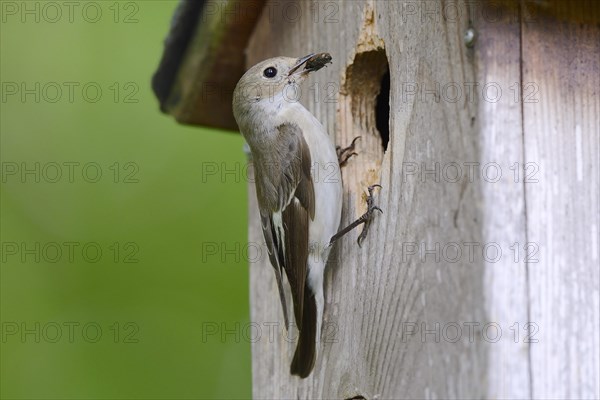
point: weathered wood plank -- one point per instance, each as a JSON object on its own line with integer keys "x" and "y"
{"x": 498, "y": 62}
{"x": 561, "y": 57}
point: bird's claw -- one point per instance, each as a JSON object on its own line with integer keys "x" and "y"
{"x": 347, "y": 152}
{"x": 367, "y": 217}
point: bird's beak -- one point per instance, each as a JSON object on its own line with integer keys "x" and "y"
{"x": 300, "y": 62}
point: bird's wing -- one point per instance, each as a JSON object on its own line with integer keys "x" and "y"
{"x": 274, "y": 256}
{"x": 287, "y": 201}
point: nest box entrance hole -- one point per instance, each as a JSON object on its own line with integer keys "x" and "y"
{"x": 368, "y": 85}
{"x": 382, "y": 110}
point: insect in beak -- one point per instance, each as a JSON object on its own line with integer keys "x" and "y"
{"x": 301, "y": 61}
{"x": 311, "y": 62}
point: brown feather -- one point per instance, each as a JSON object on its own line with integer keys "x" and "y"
{"x": 275, "y": 257}
{"x": 295, "y": 222}
{"x": 284, "y": 184}
{"x": 306, "y": 350}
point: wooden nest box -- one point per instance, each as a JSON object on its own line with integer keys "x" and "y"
{"x": 481, "y": 120}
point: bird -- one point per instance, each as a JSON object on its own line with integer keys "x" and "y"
{"x": 299, "y": 193}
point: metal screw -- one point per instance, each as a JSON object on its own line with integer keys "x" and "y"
{"x": 470, "y": 37}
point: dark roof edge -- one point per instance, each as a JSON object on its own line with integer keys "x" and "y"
{"x": 181, "y": 33}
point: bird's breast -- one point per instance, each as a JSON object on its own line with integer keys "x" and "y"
{"x": 325, "y": 174}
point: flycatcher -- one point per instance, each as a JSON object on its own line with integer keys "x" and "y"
{"x": 299, "y": 197}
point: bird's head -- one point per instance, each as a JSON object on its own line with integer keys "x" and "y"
{"x": 275, "y": 80}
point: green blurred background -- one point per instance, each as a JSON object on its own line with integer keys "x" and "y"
{"x": 152, "y": 205}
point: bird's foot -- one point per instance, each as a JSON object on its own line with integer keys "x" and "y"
{"x": 347, "y": 152}
{"x": 366, "y": 219}
{"x": 369, "y": 214}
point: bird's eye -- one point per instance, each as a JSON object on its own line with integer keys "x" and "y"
{"x": 270, "y": 72}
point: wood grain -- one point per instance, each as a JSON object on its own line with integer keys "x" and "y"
{"x": 381, "y": 298}
{"x": 499, "y": 118}
{"x": 561, "y": 56}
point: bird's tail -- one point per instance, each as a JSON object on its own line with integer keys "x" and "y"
{"x": 306, "y": 350}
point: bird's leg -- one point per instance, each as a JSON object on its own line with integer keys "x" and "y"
{"x": 345, "y": 153}
{"x": 366, "y": 219}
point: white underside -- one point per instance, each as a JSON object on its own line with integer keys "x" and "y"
{"x": 327, "y": 182}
